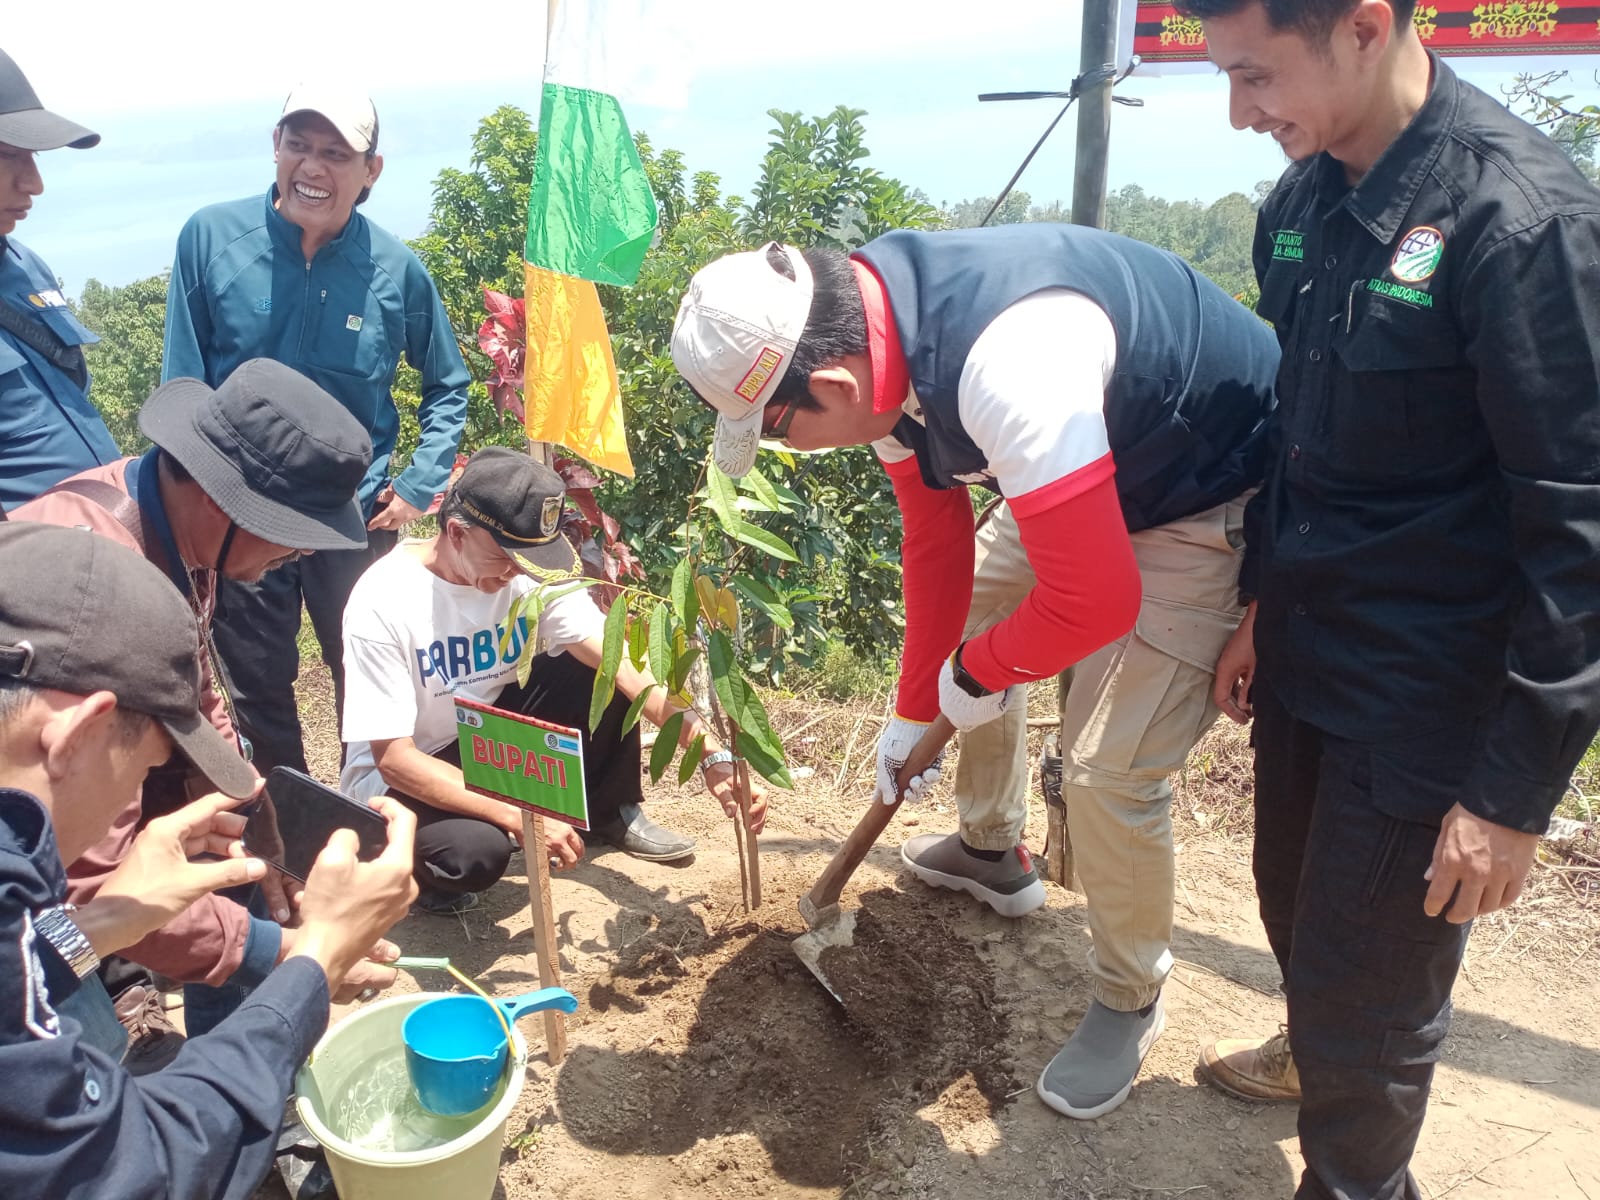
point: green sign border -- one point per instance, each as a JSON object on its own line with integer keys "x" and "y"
{"x": 516, "y": 730}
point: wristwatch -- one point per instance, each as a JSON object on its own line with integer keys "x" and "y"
{"x": 716, "y": 759}
{"x": 57, "y": 927}
{"x": 966, "y": 682}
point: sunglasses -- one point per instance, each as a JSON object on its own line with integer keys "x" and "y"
{"x": 777, "y": 426}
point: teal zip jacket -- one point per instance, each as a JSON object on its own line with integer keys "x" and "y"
{"x": 241, "y": 288}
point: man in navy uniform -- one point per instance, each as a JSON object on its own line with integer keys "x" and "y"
{"x": 99, "y": 682}
{"x": 48, "y": 428}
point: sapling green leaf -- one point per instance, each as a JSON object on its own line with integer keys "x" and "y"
{"x": 605, "y": 679}
{"x": 691, "y": 758}
{"x": 666, "y": 745}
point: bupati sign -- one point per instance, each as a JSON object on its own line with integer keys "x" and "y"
{"x": 522, "y": 761}
{"x": 1163, "y": 35}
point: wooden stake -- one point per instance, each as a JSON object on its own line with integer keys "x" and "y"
{"x": 545, "y": 948}
{"x": 741, "y": 779}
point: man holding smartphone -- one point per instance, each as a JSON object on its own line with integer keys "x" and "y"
{"x": 300, "y": 276}
{"x": 427, "y": 625}
{"x": 98, "y": 684}
{"x": 251, "y": 475}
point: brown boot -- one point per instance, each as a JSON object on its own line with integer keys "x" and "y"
{"x": 153, "y": 1040}
{"x": 1253, "y": 1069}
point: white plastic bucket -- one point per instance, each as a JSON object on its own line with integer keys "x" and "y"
{"x": 466, "y": 1168}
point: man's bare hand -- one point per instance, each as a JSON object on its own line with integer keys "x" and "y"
{"x": 563, "y": 845}
{"x": 722, "y": 782}
{"x": 158, "y": 879}
{"x": 1482, "y": 864}
{"x": 398, "y": 512}
{"x": 1236, "y": 670}
{"x": 370, "y": 974}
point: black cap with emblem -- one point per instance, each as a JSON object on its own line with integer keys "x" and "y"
{"x": 27, "y": 124}
{"x": 518, "y": 500}
{"x": 81, "y": 613}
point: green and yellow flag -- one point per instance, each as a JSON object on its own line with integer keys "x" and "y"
{"x": 591, "y": 218}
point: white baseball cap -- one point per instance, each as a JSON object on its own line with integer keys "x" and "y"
{"x": 348, "y": 111}
{"x": 735, "y": 335}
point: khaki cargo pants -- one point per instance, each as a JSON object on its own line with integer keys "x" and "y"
{"x": 1133, "y": 711}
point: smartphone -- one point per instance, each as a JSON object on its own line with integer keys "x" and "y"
{"x": 303, "y": 816}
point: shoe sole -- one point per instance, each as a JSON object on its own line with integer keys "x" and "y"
{"x": 670, "y": 856}
{"x": 1215, "y": 1081}
{"x": 1017, "y": 904}
{"x": 1099, "y": 1110}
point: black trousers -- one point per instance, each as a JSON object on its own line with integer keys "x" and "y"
{"x": 1368, "y": 974}
{"x": 256, "y": 628}
{"x": 457, "y": 853}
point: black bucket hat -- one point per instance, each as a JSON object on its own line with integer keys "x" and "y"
{"x": 279, "y": 455}
{"x": 81, "y": 613}
{"x": 27, "y": 124}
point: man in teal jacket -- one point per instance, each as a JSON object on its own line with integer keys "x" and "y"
{"x": 302, "y": 277}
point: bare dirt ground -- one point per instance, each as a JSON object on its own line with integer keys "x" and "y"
{"x": 706, "y": 1061}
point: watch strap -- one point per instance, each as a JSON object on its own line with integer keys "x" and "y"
{"x": 56, "y": 926}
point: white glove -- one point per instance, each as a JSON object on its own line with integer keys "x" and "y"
{"x": 894, "y": 747}
{"x": 967, "y": 711}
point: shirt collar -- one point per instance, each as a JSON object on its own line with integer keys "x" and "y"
{"x": 1382, "y": 199}
{"x": 7, "y": 248}
{"x": 287, "y": 232}
{"x": 891, "y": 381}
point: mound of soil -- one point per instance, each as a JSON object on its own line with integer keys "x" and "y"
{"x": 765, "y": 1049}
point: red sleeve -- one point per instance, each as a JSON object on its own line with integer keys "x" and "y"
{"x": 1086, "y": 591}
{"x": 936, "y": 557}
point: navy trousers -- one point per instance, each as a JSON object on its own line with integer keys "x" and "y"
{"x": 1367, "y": 973}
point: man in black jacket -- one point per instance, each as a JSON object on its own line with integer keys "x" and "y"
{"x": 1422, "y": 648}
{"x": 99, "y": 683}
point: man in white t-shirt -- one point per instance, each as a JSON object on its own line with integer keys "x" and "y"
{"x": 1117, "y": 400}
{"x": 425, "y": 625}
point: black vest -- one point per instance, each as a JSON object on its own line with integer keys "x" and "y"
{"x": 1186, "y": 409}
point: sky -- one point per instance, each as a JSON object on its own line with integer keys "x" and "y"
{"x": 185, "y": 96}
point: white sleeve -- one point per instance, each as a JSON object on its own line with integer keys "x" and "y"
{"x": 380, "y": 700}
{"x": 1032, "y": 395}
{"x": 891, "y": 449}
{"x": 570, "y": 618}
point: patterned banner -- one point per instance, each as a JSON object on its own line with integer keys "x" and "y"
{"x": 1451, "y": 27}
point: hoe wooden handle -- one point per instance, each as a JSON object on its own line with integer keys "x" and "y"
{"x": 824, "y": 894}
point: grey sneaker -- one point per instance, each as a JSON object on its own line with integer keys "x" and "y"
{"x": 1011, "y": 886}
{"x": 1095, "y": 1070}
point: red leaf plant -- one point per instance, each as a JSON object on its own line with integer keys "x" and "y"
{"x": 503, "y": 336}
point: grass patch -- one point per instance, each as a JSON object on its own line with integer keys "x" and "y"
{"x": 840, "y": 673}
{"x": 1582, "y": 800}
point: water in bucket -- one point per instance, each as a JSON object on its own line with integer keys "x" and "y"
{"x": 377, "y": 1109}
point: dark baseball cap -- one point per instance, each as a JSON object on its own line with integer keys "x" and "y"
{"x": 279, "y": 455}
{"x": 518, "y": 500}
{"x": 27, "y": 124}
{"x": 81, "y": 613}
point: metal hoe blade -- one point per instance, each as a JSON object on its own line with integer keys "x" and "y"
{"x": 839, "y": 932}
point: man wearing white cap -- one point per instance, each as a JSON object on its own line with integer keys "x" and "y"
{"x": 1117, "y": 400}
{"x": 302, "y": 277}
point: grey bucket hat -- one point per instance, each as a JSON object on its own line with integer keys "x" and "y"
{"x": 279, "y": 455}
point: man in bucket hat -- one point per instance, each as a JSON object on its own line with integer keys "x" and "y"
{"x": 98, "y": 682}
{"x": 48, "y": 427}
{"x": 254, "y": 474}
